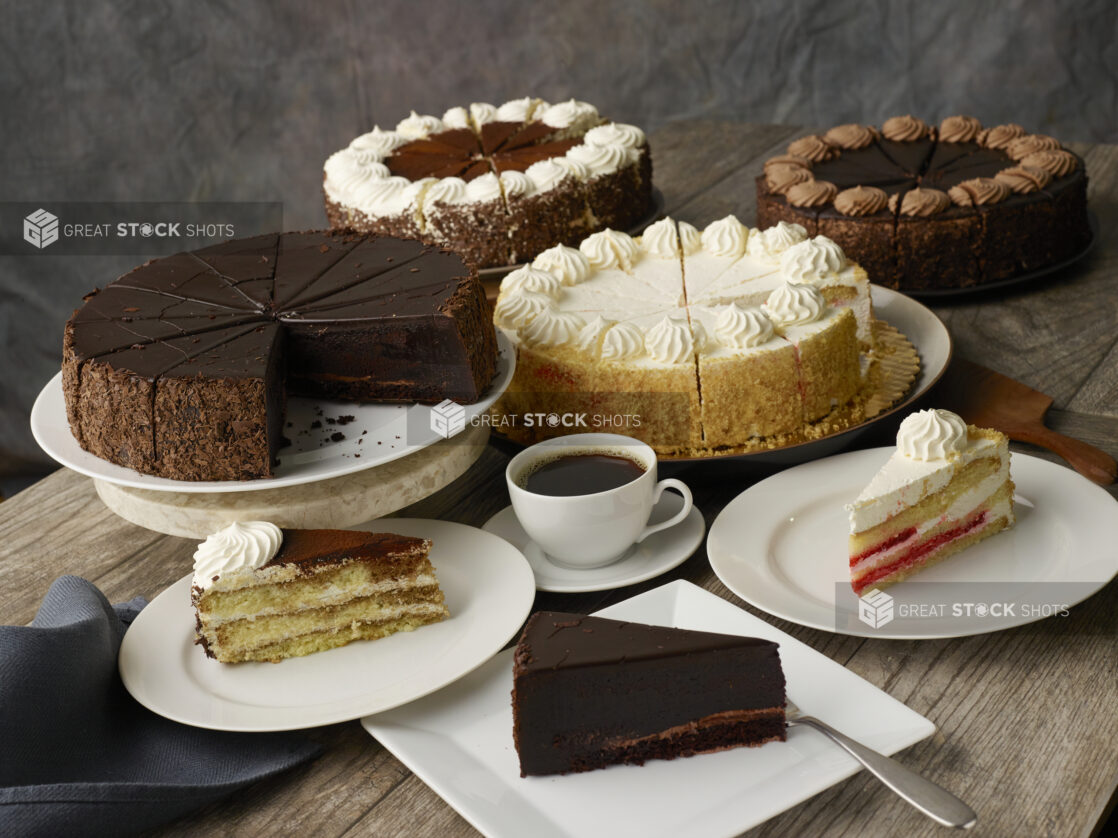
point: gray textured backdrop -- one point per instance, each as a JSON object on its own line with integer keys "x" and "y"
{"x": 242, "y": 102}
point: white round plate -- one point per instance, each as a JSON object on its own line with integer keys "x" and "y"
{"x": 377, "y": 434}
{"x": 657, "y": 554}
{"x": 489, "y": 590}
{"x": 781, "y": 545}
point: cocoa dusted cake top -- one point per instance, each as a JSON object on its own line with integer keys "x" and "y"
{"x": 312, "y": 548}
{"x": 910, "y": 168}
{"x": 213, "y": 307}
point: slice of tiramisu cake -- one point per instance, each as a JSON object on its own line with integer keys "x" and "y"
{"x": 262, "y": 594}
{"x": 946, "y": 487}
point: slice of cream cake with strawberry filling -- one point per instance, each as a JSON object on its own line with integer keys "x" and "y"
{"x": 946, "y": 487}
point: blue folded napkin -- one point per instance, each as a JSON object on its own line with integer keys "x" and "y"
{"x": 79, "y": 756}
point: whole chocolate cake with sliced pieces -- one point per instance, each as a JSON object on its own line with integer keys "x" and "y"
{"x": 933, "y": 207}
{"x": 499, "y": 184}
{"x": 590, "y": 692}
{"x": 181, "y": 367}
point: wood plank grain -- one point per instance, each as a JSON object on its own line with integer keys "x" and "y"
{"x": 1026, "y": 728}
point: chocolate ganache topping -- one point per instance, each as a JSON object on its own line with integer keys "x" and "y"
{"x": 861, "y": 200}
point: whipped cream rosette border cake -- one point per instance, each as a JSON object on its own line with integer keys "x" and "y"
{"x": 497, "y": 184}
{"x": 926, "y": 208}
{"x": 725, "y": 340}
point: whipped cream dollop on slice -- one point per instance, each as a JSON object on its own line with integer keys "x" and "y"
{"x": 482, "y": 113}
{"x": 932, "y": 435}
{"x": 547, "y": 174}
{"x": 601, "y": 159}
{"x": 530, "y": 278}
{"x": 240, "y": 546}
{"x": 552, "y": 328}
{"x": 670, "y": 341}
{"x": 456, "y": 118}
{"x": 725, "y": 237}
{"x": 447, "y": 190}
{"x": 812, "y": 260}
{"x": 616, "y": 133}
{"x": 661, "y": 240}
{"x": 519, "y": 308}
{"x": 610, "y": 249}
{"x": 569, "y": 113}
{"x": 378, "y": 142}
{"x": 568, "y": 263}
{"x": 794, "y": 305}
{"x": 418, "y": 127}
{"x": 690, "y": 239}
{"x": 742, "y": 327}
{"x": 622, "y": 342}
{"x": 767, "y": 245}
{"x": 517, "y": 110}
{"x": 484, "y": 188}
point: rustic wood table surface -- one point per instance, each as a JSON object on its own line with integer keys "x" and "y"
{"x": 1027, "y": 719}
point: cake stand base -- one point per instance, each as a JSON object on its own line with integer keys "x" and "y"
{"x": 329, "y": 504}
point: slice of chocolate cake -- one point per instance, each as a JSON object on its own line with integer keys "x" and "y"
{"x": 590, "y": 692}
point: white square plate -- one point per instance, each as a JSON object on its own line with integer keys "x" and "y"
{"x": 459, "y": 742}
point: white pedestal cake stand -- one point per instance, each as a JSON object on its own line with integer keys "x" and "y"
{"x": 334, "y": 503}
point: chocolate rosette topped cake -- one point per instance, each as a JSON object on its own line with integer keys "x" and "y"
{"x": 497, "y": 184}
{"x": 932, "y": 207}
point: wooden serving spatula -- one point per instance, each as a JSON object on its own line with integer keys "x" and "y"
{"x": 992, "y": 400}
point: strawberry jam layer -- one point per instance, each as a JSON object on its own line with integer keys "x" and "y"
{"x": 918, "y": 552}
{"x": 887, "y": 544}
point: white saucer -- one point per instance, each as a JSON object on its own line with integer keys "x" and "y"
{"x": 657, "y": 554}
{"x": 781, "y": 545}
{"x": 489, "y": 592}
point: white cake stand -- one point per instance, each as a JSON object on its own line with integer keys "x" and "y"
{"x": 334, "y": 503}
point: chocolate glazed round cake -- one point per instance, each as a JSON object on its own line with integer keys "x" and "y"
{"x": 497, "y": 184}
{"x": 921, "y": 207}
{"x": 181, "y": 367}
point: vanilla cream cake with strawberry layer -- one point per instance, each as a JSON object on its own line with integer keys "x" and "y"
{"x": 946, "y": 487}
{"x": 715, "y": 340}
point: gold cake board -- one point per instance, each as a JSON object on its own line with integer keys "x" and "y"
{"x": 335, "y": 503}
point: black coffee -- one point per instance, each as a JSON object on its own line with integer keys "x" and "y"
{"x": 581, "y": 474}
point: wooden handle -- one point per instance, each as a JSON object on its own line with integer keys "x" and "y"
{"x": 1093, "y": 463}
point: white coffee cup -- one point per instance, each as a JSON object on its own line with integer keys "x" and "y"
{"x": 592, "y": 530}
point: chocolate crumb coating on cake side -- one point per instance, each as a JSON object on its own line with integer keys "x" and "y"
{"x": 181, "y": 368}
{"x": 498, "y": 184}
{"x": 963, "y": 205}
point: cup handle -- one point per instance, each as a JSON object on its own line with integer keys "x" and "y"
{"x": 679, "y": 486}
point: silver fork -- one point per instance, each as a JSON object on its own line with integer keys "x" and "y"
{"x": 934, "y": 801}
